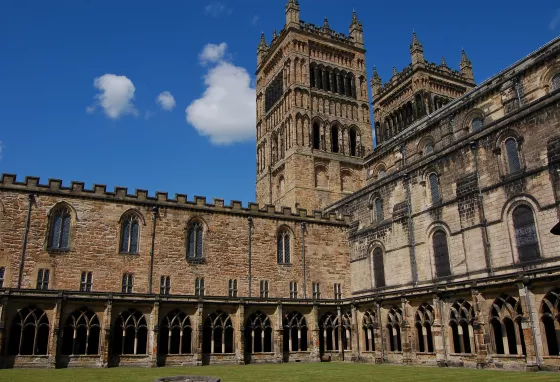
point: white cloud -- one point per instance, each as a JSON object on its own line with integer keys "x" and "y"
{"x": 212, "y": 53}
{"x": 555, "y": 20}
{"x": 255, "y": 19}
{"x": 1, "y": 149}
{"x": 216, "y": 8}
{"x": 166, "y": 101}
{"x": 115, "y": 97}
{"x": 226, "y": 110}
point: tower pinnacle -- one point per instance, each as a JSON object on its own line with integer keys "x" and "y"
{"x": 466, "y": 66}
{"x": 356, "y": 31}
{"x": 292, "y": 13}
{"x": 416, "y": 51}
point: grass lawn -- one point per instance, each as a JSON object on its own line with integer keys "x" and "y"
{"x": 279, "y": 372}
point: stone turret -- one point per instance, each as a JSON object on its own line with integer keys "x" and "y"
{"x": 356, "y": 31}
{"x": 416, "y": 51}
{"x": 466, "y": 67}
{"x": 292, "y": 14}
{"x": 376, "y": 83}
{"x": 262, "y": 49}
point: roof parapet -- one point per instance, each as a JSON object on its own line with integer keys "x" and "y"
{"x": 9, "y": 182}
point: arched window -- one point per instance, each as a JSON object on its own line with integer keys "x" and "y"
{"x": 461, "y": 317}
{"x": 369, "y": 326}
{"x": 353, "y": 141}
{"x": 394, "y": 323}
{"x": 194, "y": 241}
{"x": 424, "y": 320}
{"x": 258, "y": 334}
{"x": 476, "y": 124}
{"x": 514, "y": 165}
{"x": 441, "y": 254}
{"x": 377, "y": 210}
{"x": 129, "y": 234}
{"x": 429, "y": 148}
{"x": 525, "y": 233}
{"x": 550, "y": 322}
{"x": 434, "y": 188}
{"x": 555, "y": 82}
{"x": 345, "y": 329}
{"x": 81, "y": 333}
{"x": 2, "y": 276}
{"x": 381, "y": 173}
{"x": 218, "y": 334}
{"x": 334, "y": 139}
{"x": 175, "y": 336}
{"x": 59, "y": 233}
{"x": 378, "y": 268}
{"x": 295, "y": 332}
{"x": 130, "y": 333}
{"x": 329, "y": 334}
{"x": 316, "y": 136}
{"x": 29, "y": 333}
{"x": 505, "y": 320}
{"x": 283, "y": 247}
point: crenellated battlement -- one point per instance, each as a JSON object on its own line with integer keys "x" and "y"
{"x": 325, "y": 31}
{"x": 77, "y": 189}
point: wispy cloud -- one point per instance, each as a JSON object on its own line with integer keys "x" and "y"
{"x": 555, "y": 20}
{"x": 255, "y": 19}
{"x": 1, "y": 149}
{"x": 215, "y": 9}
{"x": 115, "y": 96}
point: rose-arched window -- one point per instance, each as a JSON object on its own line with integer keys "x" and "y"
{"x": 59, "y": 233}
{"x": 129, "y": 234}
{"x": 194, "y": 240}
{"x": 283, "y": 246}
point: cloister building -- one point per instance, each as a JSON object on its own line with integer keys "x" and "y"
{"x": 432, "y": 248}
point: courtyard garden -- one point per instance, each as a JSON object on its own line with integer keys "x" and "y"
{"x": 278, "y": 372}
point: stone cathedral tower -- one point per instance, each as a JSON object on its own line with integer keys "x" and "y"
{"x": 313, "y": 117}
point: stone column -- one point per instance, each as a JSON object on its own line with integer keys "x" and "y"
{"x": 54, "y": 343}
{"x": 353, "y": 86}
{"x": 198, "y": 334}
{"x": 314, "y": 324}
{"x": 3, "y": 337}
{"x": 339, "y": 83}
{"x": 438, "y": 332}
{"x": 317, "y": 85}
{"x": 530, "y": 327}
{"x": 356, "y": 346}
{"x": 406, "y": 333}
{"x": 240, "y": 343}
{"x": 279, "y": 337}
{"x": 104, "y": 349}
{"x": 340, "y": 331}
{"x": 379, "y": 340}
{"x": 153, "y": 335}
{"x": 479, "y": 331}
{"x": 325, "y": 77}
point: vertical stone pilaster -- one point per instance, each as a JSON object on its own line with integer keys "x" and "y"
{"x": 154, "y": 334}
{"x": 356, "y": 346}
{"x": 279, "y": 337}
{"x": 3, "y": 336}
{"x": 380, "y": 354}
{"x": 240, "y": 343}
{"x": 340, "y": 330}
{"x": 314, "y": 324}
{"x": 54, "y": 348}
{"x": 106, "y": 334}
{"x": 479, "y": 329}
{"x": 406, "y": 332}
{"x": 530, "y": 327}
{"x": 198, "y": 334}
{"x": 438, "y": 332}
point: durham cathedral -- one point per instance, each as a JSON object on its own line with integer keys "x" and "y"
{"x": 433, "y": 247}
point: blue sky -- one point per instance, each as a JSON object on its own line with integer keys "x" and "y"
{"x": 80, "y": 80}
